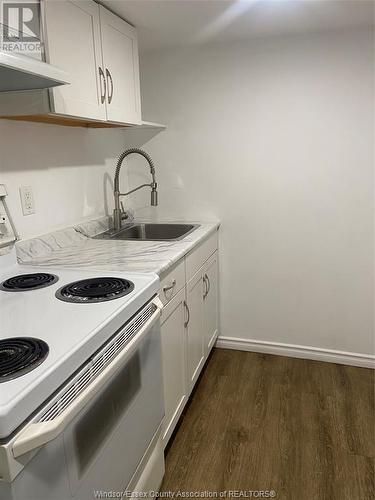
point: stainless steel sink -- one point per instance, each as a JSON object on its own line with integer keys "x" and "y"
{"x": 149, "y": 232}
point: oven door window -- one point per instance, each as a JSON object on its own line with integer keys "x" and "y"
{"x": 103, "y": 416}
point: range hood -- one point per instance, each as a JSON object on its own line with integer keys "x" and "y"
{"x": 19, "y": 72}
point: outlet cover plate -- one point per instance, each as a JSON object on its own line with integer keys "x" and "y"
{"x": 27, "y": 200}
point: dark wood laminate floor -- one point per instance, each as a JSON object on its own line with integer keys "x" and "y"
{"x": 259, "y": 422}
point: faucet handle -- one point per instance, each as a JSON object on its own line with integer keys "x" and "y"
{"x": 124, "y": 213}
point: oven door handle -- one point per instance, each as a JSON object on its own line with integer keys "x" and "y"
{"x": 36, "y": 434}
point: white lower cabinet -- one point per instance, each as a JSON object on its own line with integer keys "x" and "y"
{"x": 174, "y": 361}
{"x": 195, "y": 332}
{"x": 189, "y": 326}
{"x": 211, "y": 302}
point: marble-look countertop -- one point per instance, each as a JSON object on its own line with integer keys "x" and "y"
{"x": 74, "y": 247}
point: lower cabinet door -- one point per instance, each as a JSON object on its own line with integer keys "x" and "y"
{"x": 210, "y": 302}
{"x": 195, "y": 328}
{"x": 174, "y": 362}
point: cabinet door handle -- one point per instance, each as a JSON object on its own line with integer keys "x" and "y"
{"x": 205, "y": 287}
{"x": 172, "y": 285}
{"x": 188, "y": 314}
{"x": 103, "y": 85}
{"x": 109, "y": 80}
{"x": 208, "y": 283}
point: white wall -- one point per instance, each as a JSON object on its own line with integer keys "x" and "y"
{"x": 276, "y": 139}
{"x": 69, "y": 169}
{"x": 273, "y": 137}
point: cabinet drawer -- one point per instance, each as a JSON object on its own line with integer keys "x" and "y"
{"x": 172, "y": 282}
{"x": 197, "y": 257}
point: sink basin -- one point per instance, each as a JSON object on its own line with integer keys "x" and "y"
{"x": 150, "y": 232}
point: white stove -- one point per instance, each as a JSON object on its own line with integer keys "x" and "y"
{"x": 72, "y": 331}
{"x": 66, "y": 336}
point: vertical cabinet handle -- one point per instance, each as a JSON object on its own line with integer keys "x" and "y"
{"x": 188, "y": 314}
{"x": 109, "y": 81}
{"x": 103, "y": 86}
{"x": 207, "y": 284}
{"x": 205, "y": 287}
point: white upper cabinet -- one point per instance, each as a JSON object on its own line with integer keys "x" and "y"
{"x": 74, "y": 45}
{"x": 99, "y": 51}
{"x": 121, "y": 62}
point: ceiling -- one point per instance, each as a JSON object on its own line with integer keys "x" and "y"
{"x": 175, "y": 23}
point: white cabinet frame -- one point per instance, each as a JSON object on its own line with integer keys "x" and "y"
{"x": 189, "y": 327}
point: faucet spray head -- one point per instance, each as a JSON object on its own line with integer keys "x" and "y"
{"x": 154, "y": 197}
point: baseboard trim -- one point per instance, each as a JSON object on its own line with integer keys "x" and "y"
{"x": 297, "y": 351}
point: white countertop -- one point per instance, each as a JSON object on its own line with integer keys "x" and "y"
{"x": 74, "y": 248}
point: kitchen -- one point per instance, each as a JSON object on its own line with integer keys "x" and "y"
{"x": 229, "y": 343}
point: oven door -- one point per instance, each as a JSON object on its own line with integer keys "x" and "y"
{"x": 97, "y": 445}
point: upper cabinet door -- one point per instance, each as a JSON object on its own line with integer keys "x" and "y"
{"x": 120, "y": 56}
{"x": 73, "y": 32}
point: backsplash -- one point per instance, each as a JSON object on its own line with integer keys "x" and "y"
{"x": 70, "y": 172}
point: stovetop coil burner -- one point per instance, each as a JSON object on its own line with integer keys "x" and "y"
{"x": 20, "y": 355}
{"x": 94, "y": 290}
{"x": 25, "y": 282}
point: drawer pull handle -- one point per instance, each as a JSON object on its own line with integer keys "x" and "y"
{"x": 188, "y": 314}
{"x": 166, "y": 288}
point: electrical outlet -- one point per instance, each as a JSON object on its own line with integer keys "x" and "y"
{"x": 27, "y": 200}
{"x": 3, "y": 227}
